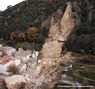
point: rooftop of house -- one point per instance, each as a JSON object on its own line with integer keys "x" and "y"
{"x": 6, "y": 59}
{"x": 2, "y": 48}
{"x": 7, "y": 48}
{"x": 21, "y": 52}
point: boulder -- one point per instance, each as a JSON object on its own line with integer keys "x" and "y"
{"x": 15, "y": 82}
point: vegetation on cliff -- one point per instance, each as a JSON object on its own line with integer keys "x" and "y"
{"x": 16, "y": 21}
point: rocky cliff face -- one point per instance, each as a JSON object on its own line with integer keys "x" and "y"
{"x": 58, "y": 34}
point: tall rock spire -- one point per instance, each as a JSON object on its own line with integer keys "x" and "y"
{"x": 67, "y": 22}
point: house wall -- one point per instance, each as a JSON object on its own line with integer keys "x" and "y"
{"x": 10, "y": 52}
{"x": 16, "y": 62}
{"x": 4, "y": 68}
{"x": 24, "y": 59}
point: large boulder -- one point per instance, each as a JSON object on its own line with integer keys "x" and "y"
{"x": 15, "y": 82}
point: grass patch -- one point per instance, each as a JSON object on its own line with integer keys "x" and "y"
{"x": 70, "y": 72}
{"x": 88, "y": 74}
{"x": 77, "y": 65}
{"x": 2, "y": 86}
{"x": 24, "y": 45}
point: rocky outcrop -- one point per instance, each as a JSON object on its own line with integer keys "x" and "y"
{"x": 52, "y": 19}
{"x": 57, "y": 16}
{"x": 46, "y": 23}
{"x": 15, "y": 82}
{"x": 90, "y": 13}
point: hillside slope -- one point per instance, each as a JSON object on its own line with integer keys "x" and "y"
{"x": 19, "y": 18}
{"x": 58, "y": 27}
{"x": 16, "y": 20}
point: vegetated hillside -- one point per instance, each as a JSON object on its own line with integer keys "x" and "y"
{"x": 21, "y": 24}
{"x": 16, "y": 21}
{"x": 82, "y": 38}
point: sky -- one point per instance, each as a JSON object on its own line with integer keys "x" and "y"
{"x": 5, "y": 3}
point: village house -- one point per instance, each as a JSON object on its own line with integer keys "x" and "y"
{"x": 5, "y": 62}
{"x": 23, "y": 55}
{"x": 7, "y": 50}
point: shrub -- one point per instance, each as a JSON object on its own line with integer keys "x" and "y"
{"x": 76, "y": 74}
{"x": 13, "y": 68}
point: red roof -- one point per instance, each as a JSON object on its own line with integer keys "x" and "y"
{"x": 5, "y": 60}
{"x": 1, "y": 80}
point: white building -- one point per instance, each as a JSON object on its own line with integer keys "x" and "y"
{"x": 9, "y": 51}
{"x": 5, "y": 62}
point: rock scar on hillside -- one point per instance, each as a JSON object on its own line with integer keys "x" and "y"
{"x": 48, "y": 70}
